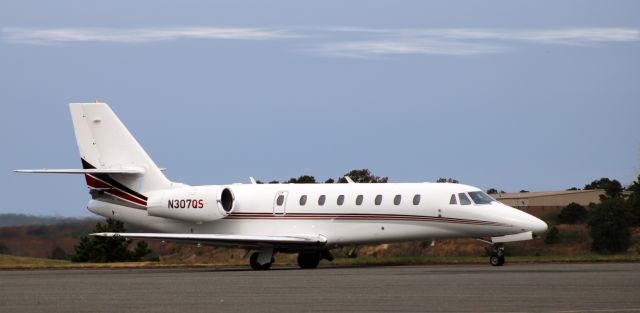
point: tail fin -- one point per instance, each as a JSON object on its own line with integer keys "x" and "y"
{"x": 106, "y": 144}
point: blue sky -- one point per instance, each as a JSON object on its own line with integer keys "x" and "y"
{"x": 537, "y": 95}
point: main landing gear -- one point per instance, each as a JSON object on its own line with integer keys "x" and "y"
{"x": 311, "y": 259}
{"x": 308, "y": 259}
{"x": 497, "y": 255}
{"x": 253, "y": 261}
{"x": 263, "y": 259}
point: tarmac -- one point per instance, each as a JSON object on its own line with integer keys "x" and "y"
{"x": 595, "y": 287}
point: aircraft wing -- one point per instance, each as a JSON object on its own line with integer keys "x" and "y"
{"x": 241, "y": 241}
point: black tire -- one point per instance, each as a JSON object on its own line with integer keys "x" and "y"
{"x": 253, "y": 261}
{"x": 495, "y": 260}
{"x": 501, "y": 260}
{"x": 266, "y": 266}
{"x": 308, "y": 259}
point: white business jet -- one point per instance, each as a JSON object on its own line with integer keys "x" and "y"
{"x": 307, "y": 219}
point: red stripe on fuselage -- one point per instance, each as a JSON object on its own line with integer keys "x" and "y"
{"x": 312, "y": 216}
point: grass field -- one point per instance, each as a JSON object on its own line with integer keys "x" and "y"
{"x": 15, "y": 262}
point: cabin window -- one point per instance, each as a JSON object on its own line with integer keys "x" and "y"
{"x": 321, "y": 200}
{"x": 359, "y": 200}
{"x": 340, "y": 199}
{"x": 303, "y": 200}
{"x": 397, "y": 199}
{"x": 464, "y": 200}
{"x": 416, "y": 199}
{"x": 453, "y": 200}
{"x": 378, "y": 199}
{"x": 280, "y": 200}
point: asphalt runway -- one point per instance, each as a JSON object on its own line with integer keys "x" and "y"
{"x": 602, "y": 287}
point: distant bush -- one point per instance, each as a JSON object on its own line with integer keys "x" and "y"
{"x": 58, "y": 254}
{"x": 4, "y": 249}
{"x": 552, "y": 235}
{"x": 634, "y": 202}
{"x": 572, "y": 214}
{"x": 38, "y": 231}
{"x": 609, "y": 226}
{"x": 550, "y": 217}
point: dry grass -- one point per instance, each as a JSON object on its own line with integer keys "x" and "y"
{"x": 10, "y": 261}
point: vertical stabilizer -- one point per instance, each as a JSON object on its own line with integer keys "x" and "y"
{"x": 106, "y": 144}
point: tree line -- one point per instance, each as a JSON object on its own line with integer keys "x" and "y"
{"x": 358, "y": 175}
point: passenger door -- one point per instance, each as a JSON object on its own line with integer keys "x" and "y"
{"x": 280, "y": 203}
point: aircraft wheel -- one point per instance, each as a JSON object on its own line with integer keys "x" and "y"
{"x": 497, "y": 257}
{"x": 253, "y": 261}
{"x": 308, "y": 259}
{"x": 496, "y": 260}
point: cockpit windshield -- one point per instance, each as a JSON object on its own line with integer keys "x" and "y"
{"x": 480, "y": 197}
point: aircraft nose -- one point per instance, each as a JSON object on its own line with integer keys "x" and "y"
{"x": 528, "y": 222}
{"x": 538, "y": 226}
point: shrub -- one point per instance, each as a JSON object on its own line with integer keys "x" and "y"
{"x": 634, "y": 202}
{"x": 552, "y": 235}
{"x": 609, "y": 226}
{"x": 58, "y": 254}
{"x": 108, "y": 249}
{"x": 4, "y": 249}
{"x": 572, "y": 214}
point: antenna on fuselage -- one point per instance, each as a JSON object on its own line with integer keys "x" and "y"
{"x": 349, "y": 180}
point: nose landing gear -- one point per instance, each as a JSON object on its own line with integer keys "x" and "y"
{"x": 497, "y": 252}
{"x": 497, "y": 255}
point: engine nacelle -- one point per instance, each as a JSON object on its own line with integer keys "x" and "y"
{"x": 192, "y": 204}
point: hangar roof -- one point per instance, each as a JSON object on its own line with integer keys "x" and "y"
{"x": 519, "y": 195}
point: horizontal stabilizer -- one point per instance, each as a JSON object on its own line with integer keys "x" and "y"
{"x": 127, "y": 170}
{"x": 245, "y": 241}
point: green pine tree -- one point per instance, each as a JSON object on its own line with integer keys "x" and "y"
{"x": 609, "y": 226}
{"x": 108, "y": 249}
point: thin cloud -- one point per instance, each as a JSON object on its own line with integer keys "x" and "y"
{"x": 462, "y": 41}
{"x": 345, "y": 41}
{"x": 377, "y": 48}
{"x": 555, "y": 36}
{"x": 564, "y": 35}
{"x": 137, "y": 35}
